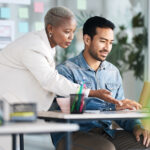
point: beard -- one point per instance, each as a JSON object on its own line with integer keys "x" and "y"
{"x": 95, "y": 55}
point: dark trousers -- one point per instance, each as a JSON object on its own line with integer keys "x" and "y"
{"x": 97, "y": 139}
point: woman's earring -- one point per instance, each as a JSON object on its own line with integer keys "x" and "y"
{"x": 50, "y": 35}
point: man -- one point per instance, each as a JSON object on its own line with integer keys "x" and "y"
{"x": 91, "y": 68}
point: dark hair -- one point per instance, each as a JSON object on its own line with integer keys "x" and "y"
{"x": 92, "y": 23}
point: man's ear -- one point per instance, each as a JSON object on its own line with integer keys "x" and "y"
{"x": 87, "y": 39}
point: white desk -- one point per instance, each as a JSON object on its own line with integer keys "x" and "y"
{"x": 34, "y": 127}
{"x": 54, "y": 115}
{"x": 110, "y": 115}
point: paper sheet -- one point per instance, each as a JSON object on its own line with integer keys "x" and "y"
{"x": 6, "y": 32}
{"x": 23, "y": 13}
{"x": 26, "y": 2}
{"x": 38, "y": 7}
{"x": 81, "y": 4}
{"x": 23, "y": 27}
{"x": 39, "y": 26}
{"x": 5, "y": 12}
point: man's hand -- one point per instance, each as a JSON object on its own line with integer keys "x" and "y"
{"x": 129, "y": 104}
{"x": 104, "y": 95}
{"x": 120, "y": 104}
{"x": 137, "y": 131}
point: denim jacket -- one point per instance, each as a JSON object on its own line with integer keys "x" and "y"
{"x": 106, "y": 77}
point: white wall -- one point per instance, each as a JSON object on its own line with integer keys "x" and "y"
{"x": 132, "y": 86}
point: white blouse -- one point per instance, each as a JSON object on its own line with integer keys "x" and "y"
{"x": 27, "y": 70}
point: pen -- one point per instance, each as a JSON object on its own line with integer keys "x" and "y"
{"x": 74, "y": 101}
{"x": 82, "y": 103}
{"x": 82, "y": 100}
{"x": 80, "y": 97}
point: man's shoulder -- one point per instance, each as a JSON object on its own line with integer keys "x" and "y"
{"x": 71, "y": 63}
{"x": 110, "y": 66}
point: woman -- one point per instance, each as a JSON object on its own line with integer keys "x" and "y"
{"x": 27, "y": 67}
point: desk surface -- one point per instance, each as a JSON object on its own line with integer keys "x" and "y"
{"x": 101, "y": 115}
{"x": 36, "y": 127}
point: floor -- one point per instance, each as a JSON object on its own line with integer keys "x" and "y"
{"x": 38, "y": 142}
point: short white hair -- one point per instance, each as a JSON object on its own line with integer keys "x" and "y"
{"x": 55, "y": 15}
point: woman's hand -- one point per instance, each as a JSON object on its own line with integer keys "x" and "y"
{"x": 105, "y": 95}
{"x": 128, "y": 104}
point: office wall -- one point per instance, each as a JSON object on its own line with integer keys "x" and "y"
{"x": 18, "y": 18}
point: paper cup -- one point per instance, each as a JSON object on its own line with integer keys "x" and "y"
{"x": 64, "y": 104}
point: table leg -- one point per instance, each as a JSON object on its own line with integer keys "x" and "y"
{"x": 68, "y": 139}
{"x": 21, "y": 142}
{"x": 14, "y": 141}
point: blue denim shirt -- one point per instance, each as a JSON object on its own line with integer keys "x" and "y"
{"x": 106, "y": 77}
